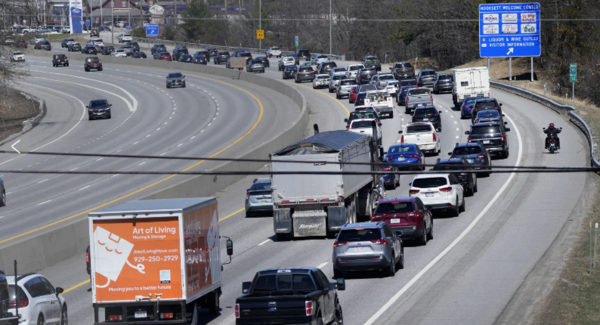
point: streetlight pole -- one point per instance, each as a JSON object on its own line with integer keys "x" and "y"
{"x": 259, "y": 22}
{"x": 330, "y": 18}
{"x": 112, "y": 23}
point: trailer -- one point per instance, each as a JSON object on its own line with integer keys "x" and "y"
{"x": 470, "y": 82}
{"x": 319, "y": 205}
{"x": 155, "y": 261}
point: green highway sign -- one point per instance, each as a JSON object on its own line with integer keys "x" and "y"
{"x": 296, "y": 41}
{"x": 573, "y": 70}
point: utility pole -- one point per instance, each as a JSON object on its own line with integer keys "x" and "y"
{"x": 129, "y": 11}
{"x": 259, "y": 22}
{"x": 330, "y": 18}
{"x": 112, "y": 24}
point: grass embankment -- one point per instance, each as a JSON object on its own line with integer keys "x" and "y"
{"x": 14, "y": 109}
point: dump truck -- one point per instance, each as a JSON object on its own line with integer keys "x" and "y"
{"x": 155, "y": 261}
{"x": 470, "y": 82}
{"x": 319, "y": 205}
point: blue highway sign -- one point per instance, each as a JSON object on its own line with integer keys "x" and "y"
{"x": 152, "y": 30}
{"x": 509, "y": 30}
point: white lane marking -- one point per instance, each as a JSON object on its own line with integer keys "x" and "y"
{"x": 457, "y": 136}
{"x": 83, "y": 188}
{"x": 43, "y": 202}
{"x": 64, "y": 134}
{"x": 455, "y": 122}
{"x": 164, "y": 153}
{"x": 322, "y": 264}
{"x": 266, "y": 241}
{"x": 43, "y": 180}
{"x": 190, "y": 139}
{"x": 99, "y": 159}
{"x": 148, "y": 135}
{"x": 74, "y": 169}
{"x": 135, "y": 143}
{"x": 143, "y": 162}
{"x": 416, "y": 278}
{"x": 179, "y": 145}
{"x": 115, "y": 175}
{"x": 15, "y": 149}
{"x": 457, "y": 129}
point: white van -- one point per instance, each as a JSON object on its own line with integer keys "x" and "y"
{"x": 470, "y": 82}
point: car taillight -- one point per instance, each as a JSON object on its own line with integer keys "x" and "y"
{"x": 413, "y": 215}
{"x": 87, "y": 257}
{"x": 434, "y": 138}
{"x": 237, "y": 310}
{"x": 469, "y": 139}
{"x": 379, "y": 241}
{"x": 166, "y": 315}
{"x": 446, "y": 189}
{"x": 389, "y": 179}
{"x": 413, "y": 156}
{"x": 386, "y": 169}
{"x": 481, "y": 156}
{"x": 465, "y": 174}
{"x": 414, "y": 191}
{"x": 431, "y": 97}
{"x": 19, "y": 303}
{"x": 309, "y": 307}
{"x": 497, "y": 107}
{"x": 114, "y": 318}
{"x": 339, "y": 243}
{"x": 402, "y": 139}
{"x": 407, "y": 100}
{"x": 476, "y": 121}
{"x": 247, "y": 197}
{"x": 503, "y": 138}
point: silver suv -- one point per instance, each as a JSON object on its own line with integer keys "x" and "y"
{"x": 367, "y": 246}
{"x": 258, "y": 197}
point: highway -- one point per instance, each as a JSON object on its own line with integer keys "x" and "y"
{"x": 468, "y": 274}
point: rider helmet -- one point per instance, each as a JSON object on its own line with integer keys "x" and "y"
{"x": 551, "y": 124}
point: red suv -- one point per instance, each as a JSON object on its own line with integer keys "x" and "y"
{"x": 165, "y": 56}
{"x": 407, "y": 214}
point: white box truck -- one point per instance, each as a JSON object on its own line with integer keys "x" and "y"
{"x": 470, "y": 82}
{"x": 155, "y": 261}
{"x": 319, "y": 205}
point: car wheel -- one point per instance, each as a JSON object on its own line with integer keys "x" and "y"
{"x": 66, "y": 65}
{"x": 338, "y": 318}
{"x": 400, "y": 264}
{"x": 391, "y": 115}
{"x": 108, "y": 116}
{"x": 462, "y": 206}
{"x": 391, "y": 270}
{"x": 456, "y": 209}
{"x": 40, "y": 320}
{"x": 337, "y": 96}
{"x": 506, "y": 154}
{"x": 423, "y": 238}
{"x": 3, "y": 199}
{"x": 407, "y": 110}
{"x": 338, "y": 273}
{"x": 213, "y": 307}
{"x": 430, "y": 233}
{"x": 64, "y": 319}
{"x": 168, "y": 86}
{"x": 90, "y": 117}
{"x": 320, "y": 321}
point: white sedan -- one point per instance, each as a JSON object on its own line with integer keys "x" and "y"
{"x": 321, "y": 80}
{"x": 17, "y": 57}
{"x": 119, "y": 53}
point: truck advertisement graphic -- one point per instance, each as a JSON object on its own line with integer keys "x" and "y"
{"x": 136, "y": 259}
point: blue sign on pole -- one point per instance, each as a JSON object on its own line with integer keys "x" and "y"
{"x": 127, "y": 27}
{"x": 509, "y": 30}
{"x": 87, "y": 22}
{"x": 152, "y": 30}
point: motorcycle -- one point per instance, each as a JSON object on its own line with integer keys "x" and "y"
{"x": 552, "y": 146}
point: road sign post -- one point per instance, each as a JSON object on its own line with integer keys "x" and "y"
{"x": 296, "y": 41}
{"x": 573, "y": 75}
{"x": 260, "y": 34}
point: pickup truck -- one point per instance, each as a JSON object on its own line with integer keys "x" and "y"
{"x": 124, "y": 38}
{"x": 273, "y": 51}
{"x": 290, "y": 296}
{"x": 381, "y": 101}
{"x": 418, "y": 96}
{"x": 365, "y": 126}
{"x": 423, "y": 134}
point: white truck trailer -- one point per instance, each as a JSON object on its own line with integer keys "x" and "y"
{"x": 155, "y": 261}
{"x": 470, "y": 82}
{"x": 319, "y": 205}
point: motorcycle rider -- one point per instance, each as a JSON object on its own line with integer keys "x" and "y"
{"x": 552, "y": 131}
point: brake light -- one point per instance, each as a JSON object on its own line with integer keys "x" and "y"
{"x": 476, "y": 121}
{"x": 413, "y": 156}
{"x": 402, "y": 139}
{"x": 431, "y": 97}
{"x": 481, "y": 156}
{"x": 465, "y": 174}
{"x": 497, "y": 107}
{"x": 453, "y": 157}
{"x": 113, "y": 318}
{"x": 340, "y": 243}
{"x": 379, "y": 242}
{"x": 469, "y": 139}
{"x": 413, "y": 215}
{"x": 87, "y": 255}
{"x": 389, "y": 179}
{"x": 386, "y": 169}
{"x": 247, "y": 196}
{"x": 446, "y": 189}
{"x": 503, "y": 138}
{"x": 237, "y": 310}
{"x": 414, "y": 191}
{"x": 20, "y": 303}
{"x": 434, "y": 138}
{"x": 309, "y": 308}
{"x": 407, "y": 99}
{"x": 166, "y": 315}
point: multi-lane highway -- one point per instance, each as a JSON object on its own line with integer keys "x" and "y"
{"x": 467, "y": 274}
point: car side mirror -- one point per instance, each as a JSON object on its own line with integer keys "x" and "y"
{"x": 110, "y": 105}
{"x": 229, "y": 245}
{"x": 399, "y": 132}
{"x": 507, "y": 129}
{"x": 410, "y": 184}
{"x": 87, "y": 107}
{"x": 500, "y": 104}
{"x": 346, "y": 120}
{"x": 399, "y": 233}
{"x": 340, "y": 284}
{"x": 438, "y": 130}
{"x": 503, "y": 115}
{"x": 440, "y": 112}
{"x": 505, "y": 123}
{"x": 59, "y": 290}
{"x": 467, "y": 132}
{"x": 449, "y": 154}
{"x": 246, "y": 286}
{"x": 385, "y": 152}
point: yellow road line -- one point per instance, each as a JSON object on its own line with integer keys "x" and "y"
{"x": 324, "y": 94}
{"x": 76, "y": 286}
{"x": 160, "y": 181}
{"x": 231, "y": 215}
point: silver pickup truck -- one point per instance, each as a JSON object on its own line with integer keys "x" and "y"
{"x": 416, "y": 97}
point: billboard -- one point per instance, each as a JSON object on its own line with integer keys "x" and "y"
{"x": 75, "y": 15}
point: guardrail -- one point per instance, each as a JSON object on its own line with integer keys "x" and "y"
{"x": 569, "y": 110}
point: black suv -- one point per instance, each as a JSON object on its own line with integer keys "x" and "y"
{"x": 74, "y": 47}
{"x": 134, "y": 45}
{"x": 325, "y": 67}
{"x": 302, "y": 54}
{"x": 467, "y": 179}
{"x": 305, "y": 73}
{"x": 403, "y": 70}
{"x": 156, "y": 47}
{"x": 364, "y": 75}
{"x": 486, "y": 103}
{"x": 107, "y": 50}
{"x": 428, "y": 114}
{"x": 491, "y": 135}
{"x": 92, "y": 62}
{"x": 212, "y": 51}
{"x": 444, "y": 82}
{"x": 89, "y": 50}
{"x": 98, "y": 108}
{"x": 371, "y": 62}
{"x": 64, "y": 42}
{"x": 426, "y": 77}
{"x": 474, "y": 153}
{"x": 221, "y": 57}
{"x": 178, "y": 51}
{"x": 43, "y": 45}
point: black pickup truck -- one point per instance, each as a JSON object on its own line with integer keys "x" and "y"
{"x": 290, "y": 296}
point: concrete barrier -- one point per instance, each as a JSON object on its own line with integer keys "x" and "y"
{"x": 39, "y": 249}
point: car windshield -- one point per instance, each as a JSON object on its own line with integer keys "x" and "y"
{"x": 263, "y": 186}
{"x": 429, "y": 182}
{"x": 446, "y": 77}
{"x": 338, "y": 77}
{"x": 354, "y": 235}
{"x": 373, "y": 61}
{"x": 485, "y": 129}
{"x": 360, "y": 124}
{"x": 363, "y": 115}
{"x": 392, "y": 83}
{"x": 387, "y": 77}
{"x": 367, "y": 87}
{"x": 348, "y": 82}
{"x": 418, "y": 128}
{"x": 418, "y": 91}
{"x": 406, "y": 89}
{"x": 306, "y": 69}
{"x": 398, "y": 207}
{"x": 58, "y": 56}
{"x": 283, "y": 282}
{"x": 247, "y": 55}
{"x": 274, "y": 48}
{"x": 293, "y": 68}
{"x": 19, "y": 53}
{"x": 98, "y": 103}
{"x": 256, "y": 61}
{"x": 356, "y": 67}
{"x": 400, "y": 149}
{"x": 378, "y": 96}
{"x": 11, "y": 294}
{"x": 175, "y": 75}
{"x": 471, "y": 100}
{"x": 467, "y": 151}
{"x": 329, "y": 65}
{"x": 288, "y": 58}
{"x": 488, "y": 113}
{"x": 323, "y": 77}
{"x": 428, "y": 73}
{"x": 425, "y": 111}
{"x": 485, "y": 104}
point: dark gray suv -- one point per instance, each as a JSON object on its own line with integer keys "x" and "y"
{"x": 367, "y": 246}
{"x": 305, "y": 73}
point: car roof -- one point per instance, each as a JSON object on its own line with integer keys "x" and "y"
{"x": 418, "y": 176}
{"x": 261, "y": 180}
{"x": 21, "y": 277}
{"x": 97, "y": 100}
{"x": 359, "y": 225}
{"x": 486, "y": 100}
{"x": 397, "y": 199}
{"x": 419, "y": 123}
{"x": 468, "y": 144}
{"x": 485, "y": 124}
{"x": 452, "y": 161}
{"x": 302, "y": 270}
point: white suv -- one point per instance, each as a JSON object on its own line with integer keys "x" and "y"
{"x": 439, "y": 192}
{"x": 38, "y": 301}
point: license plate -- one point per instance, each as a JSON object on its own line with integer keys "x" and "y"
{"x": 141, "y": 314}
{"x": 265, "y": 201}
{"x": 394, "y": 220}
{"x": 401, "y": 159}
{"x": 429, "y": 194}
{"x": 425, "y": 120}
{"x": 486, "y": 141}
{"x": 471, "y": 160}
{"x": 359, "y": 249}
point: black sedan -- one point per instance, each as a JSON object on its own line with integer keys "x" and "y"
{"x": 201, "y": 59}
{"x": 289, "y": 72}
{"x": 107, "y": 50}
{"x": 264, "y": 60}
{"x": 139, "y": 55}
{"x": 74, "y": 47}
{"x": 89, "y": 50}
{"x": 43, "y": 45}
{"x": 475, "y": 154}
{"x": 467, "y": 179}
{"x": 185, "y": 58}
{"x": 99, "y": 108}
